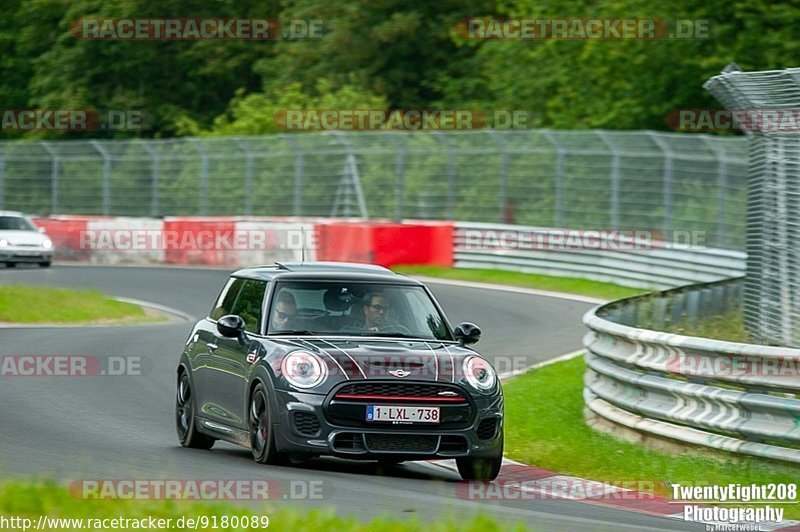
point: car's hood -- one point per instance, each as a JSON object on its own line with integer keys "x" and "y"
{"x": 16, "y": 238}
{"x": 393, "y": 359}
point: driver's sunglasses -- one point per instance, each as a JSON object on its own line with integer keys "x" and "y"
{"x": 379, "y": 308}
{"x": 284, "y": 315}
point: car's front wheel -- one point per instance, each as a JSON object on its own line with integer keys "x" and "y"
{"x": 185, "y": 421}
{"x": 481, "y": 468}
{"x": 262, "y": 438}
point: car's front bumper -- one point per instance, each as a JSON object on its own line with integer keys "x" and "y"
{"x": 298, "y": 414}
{"x": 26, "y": 254}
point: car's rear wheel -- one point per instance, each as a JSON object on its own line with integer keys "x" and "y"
{"x": 262, "y": 438}
{"x": 185, "y": 421}
{"x": 45, "y": 264}
{"x": 481, "y": 468}
{"x": 11, "y": 264}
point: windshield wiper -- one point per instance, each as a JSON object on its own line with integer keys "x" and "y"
{"x": 395, "y": 334}
{"x": 299, "y": 332}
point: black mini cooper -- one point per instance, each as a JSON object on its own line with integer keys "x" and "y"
{"x": 348, "y": 360}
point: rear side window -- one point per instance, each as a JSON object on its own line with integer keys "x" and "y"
{"x": 226, "y": 299}
{"x": 249, "y": 304}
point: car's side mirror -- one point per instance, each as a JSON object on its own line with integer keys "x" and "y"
{"x": 467, "y": 333}
{"x": 231, "y": 326}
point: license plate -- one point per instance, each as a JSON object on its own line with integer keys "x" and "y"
{"x": 403, "y": 414}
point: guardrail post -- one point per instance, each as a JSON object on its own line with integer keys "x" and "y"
{"x": 248, "y": 175}
{"x": 55, "y": 160}
{"x": 203, "y": 188}
{"x": 559, "y": 179}
{"x": 614, "y": 211}
{"x": 106, "y": 175}
{"x": 501, "y": 144}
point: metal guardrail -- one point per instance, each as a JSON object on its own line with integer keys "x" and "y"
{"x": 494, "y": 246}
{"x": 730, "y": 396}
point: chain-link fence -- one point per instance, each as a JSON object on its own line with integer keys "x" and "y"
{"x": 570, "y": 179}
{"x": 772, "y": 290}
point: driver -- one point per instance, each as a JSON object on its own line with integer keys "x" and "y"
{"x": 376, "y": 310}
{"x": 283, "y": 312}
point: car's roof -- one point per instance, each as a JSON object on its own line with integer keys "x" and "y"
{"x": 339, "y": 271}
{"x": 11, "y": 213}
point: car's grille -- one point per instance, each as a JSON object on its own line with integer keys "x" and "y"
{"x": 487, "y": 428}
{"x": 402, "y": 443}
{"x": 401, "y": 391}
{"x": 348, "y": 404}
{"x": 306, "y": 423}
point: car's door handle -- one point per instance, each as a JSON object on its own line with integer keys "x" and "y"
{"x": 212, "y": 347}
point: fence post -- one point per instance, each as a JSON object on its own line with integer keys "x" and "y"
{"x": 350, "y": 177}
{"x": 614, "y": 214}
{"x": 2, "y": 181}
{"x": 203, "y": 200}
{"x": 667, "y": 184}
{"x": 400, "y": 177}
{"x": 248, "y": 175}
{"x": 444, "y": 140}
{"x": 559, "y": 200}
{"x": 54, "y": 175}
{"x": 501, "y": 144}
{"x": 722, "y": 185}
{"x": 155, "y": 172}
{"x": 106, "y": 175}
{"x": 299, "y": 169}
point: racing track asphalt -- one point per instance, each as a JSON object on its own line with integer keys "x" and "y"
{"x": 72, "y": 428}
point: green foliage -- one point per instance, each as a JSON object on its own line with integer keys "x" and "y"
{"x": 391, "y": 53}
{"x": 257, "y": 113}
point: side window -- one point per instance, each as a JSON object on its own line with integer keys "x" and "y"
{"x": 249, "y": 304}
{"x": 224, "y": 303}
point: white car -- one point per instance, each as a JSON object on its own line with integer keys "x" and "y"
{"x": 21, "y": 241}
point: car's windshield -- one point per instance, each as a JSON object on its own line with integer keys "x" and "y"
{"x": 355, "y": 309}
{"x": 15, "y": 223}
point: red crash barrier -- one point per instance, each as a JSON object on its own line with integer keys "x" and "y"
{"x": 65, "y": 232}
{"x": 199, "y": 234}
{"x": 387, "y": 244}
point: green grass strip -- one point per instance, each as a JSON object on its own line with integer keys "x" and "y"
{"x": 34, "y": 304}
{"x": 29, "y": 500}
{"x": 545, "y": 427}
{"x": 568, "y": 285}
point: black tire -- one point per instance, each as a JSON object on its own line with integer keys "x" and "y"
{"x": 482, "y": 468}
{"x": 45, "y": 264}
{"x": 262, "y": 437}
{"x": 11, "y": 264}
{"x": 185, "y": 419}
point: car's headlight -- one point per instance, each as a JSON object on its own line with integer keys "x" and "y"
{"x": 479, "y": 374}
{"x": 303, "y": 369}
{"x": 47, "y": 243}
{"x": 3, "y": 243}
